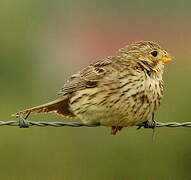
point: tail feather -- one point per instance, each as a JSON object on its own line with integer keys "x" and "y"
{"x": 59, "y": 106}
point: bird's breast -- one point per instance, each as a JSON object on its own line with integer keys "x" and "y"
{"x": 127, "y": 103}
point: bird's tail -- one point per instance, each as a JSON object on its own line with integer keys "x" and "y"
{"x": 59, "y": 106}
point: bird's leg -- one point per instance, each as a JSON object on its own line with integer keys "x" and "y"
{"x": 153, "y": 119}
{"x": 115, "y": 129}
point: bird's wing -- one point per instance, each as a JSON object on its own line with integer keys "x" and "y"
{"x": 89, "y": 77}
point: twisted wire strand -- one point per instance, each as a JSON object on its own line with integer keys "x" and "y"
{"x": 24, "y": 123}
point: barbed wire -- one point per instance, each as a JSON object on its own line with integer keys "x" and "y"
{"x": 24, "y": 123}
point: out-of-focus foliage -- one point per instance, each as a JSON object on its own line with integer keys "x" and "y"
{"x": 43, "y": 42}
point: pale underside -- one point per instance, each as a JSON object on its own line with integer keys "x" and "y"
{"x": 118, "y": 107}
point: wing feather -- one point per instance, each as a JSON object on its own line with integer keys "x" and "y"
{"x": 87, "y": 78}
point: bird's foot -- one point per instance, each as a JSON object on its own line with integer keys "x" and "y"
{"x": 147, "y": 124}
{"x": 115, "y": 129}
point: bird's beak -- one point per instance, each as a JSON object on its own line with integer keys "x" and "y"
{"x": 167, "y": 58}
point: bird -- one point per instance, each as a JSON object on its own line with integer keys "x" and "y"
{"x": 122, "y": 90}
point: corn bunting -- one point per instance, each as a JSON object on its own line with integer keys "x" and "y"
{"x": 118, "y": 91}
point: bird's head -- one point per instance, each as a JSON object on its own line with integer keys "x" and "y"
{"x": 149, "y": 54}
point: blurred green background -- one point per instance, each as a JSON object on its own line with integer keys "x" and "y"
{"x": 43, "y": 42}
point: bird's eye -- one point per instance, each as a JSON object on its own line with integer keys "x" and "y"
{"x": 154, "y": 53}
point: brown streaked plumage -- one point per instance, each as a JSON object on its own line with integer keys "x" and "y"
{"x": 118, "y": 91}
